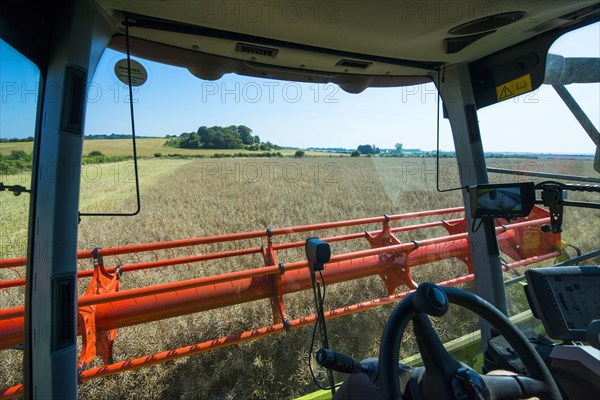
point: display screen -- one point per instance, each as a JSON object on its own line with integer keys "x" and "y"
{"x": 578, "y": 299}
{"x": 502, "y": 200}
{"x": 566, "y": 299}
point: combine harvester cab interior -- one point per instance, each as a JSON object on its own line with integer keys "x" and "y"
{"x": 95, "y": 298}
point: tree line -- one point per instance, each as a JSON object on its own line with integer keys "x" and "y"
{"x": 16, "y": 140}
{"x": 219, "y": 137}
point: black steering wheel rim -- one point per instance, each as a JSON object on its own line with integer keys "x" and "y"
{"x": 405, "y": 311}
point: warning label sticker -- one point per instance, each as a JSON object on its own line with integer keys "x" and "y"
{"x": 514, "y": 88}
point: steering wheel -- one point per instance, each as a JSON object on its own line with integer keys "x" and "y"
{"x": 443, "y": 376}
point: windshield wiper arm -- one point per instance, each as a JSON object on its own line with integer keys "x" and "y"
{"x": 16, "y": 189}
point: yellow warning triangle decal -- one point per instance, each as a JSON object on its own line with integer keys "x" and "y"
{"x": 514, "y": 88}
{"x": 505, "y": 93}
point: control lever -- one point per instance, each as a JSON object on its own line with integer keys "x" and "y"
{"x": 340, "y": 362}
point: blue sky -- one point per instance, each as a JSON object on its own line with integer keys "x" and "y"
{"x": 173, "y": 101}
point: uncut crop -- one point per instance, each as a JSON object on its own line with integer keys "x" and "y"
{"x": 183, "y": 199}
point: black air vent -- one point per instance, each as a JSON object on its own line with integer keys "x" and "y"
{"x": 456, "y": 44}
{"x": 63, "y": 290}
{"x": 73, "y": 100}
{"x": 354, "y": 64}
{"x": 256, "y": 50}
{"x": 584, "y": 12}
{"x": 487, "y": 23}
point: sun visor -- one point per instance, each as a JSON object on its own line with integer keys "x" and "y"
{"x": 210, "y": 67}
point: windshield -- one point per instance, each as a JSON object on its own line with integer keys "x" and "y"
{"x": 245, "y": 155}
{"x": 235, "y": 174}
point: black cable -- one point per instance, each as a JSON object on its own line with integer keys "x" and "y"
{"x": 319, "y": 303}
{"x": 324, "y": 288}
{"x": 135, "y": 163}
{"x": 312, "y": 343}
{"x": 137, "y": 180}
{"x": 577, "y": 249}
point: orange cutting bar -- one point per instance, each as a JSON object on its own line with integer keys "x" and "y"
{"x": 146, "y": 361}
{"x": 233, "y": 253}
{"x": 152, "y": 303}
{"x": 114, "y": 309}
{"x": 111, "y": 251}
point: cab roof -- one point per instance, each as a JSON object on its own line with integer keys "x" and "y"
{"x": 356, "y": 44}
